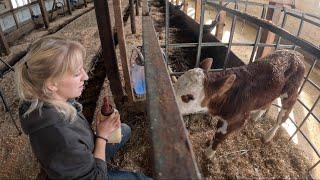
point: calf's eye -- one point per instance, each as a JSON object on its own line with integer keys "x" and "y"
{"x": 186, "y": 98}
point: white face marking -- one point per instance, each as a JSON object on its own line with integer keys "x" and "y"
{"x": 283, "y": 96}
{"x": 224, "y": 127}
{"x": 190, "y": 82}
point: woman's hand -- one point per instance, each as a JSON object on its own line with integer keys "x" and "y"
{"x": 108, "y": 125}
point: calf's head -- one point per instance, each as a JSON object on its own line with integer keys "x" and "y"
{"x": 194, "y": 89}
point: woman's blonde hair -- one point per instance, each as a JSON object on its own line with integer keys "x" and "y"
{"x": 49, "y": 58}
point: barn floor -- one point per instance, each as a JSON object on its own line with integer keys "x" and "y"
{"x": 278, "y": 159}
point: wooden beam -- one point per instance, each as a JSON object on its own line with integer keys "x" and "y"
{"x": 108, "y": 49}
{"x": 221, "y": 24}
{"x": 132, "y": 17}
{"x": 122, "y": 46}
{"x": 44, "y": 13}
{"x": 4, "y": 44}
{"x": 197, "y": 10}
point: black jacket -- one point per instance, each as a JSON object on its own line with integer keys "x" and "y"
{"x": 64, "y": 149}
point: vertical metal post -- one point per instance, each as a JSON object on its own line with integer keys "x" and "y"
{"x": 4, "y": 44}
{"x": 44, "y": 13}
{"x": 167, "y": 31}
{"x": 108, "y": 49}
{"x": 69, "y": 7}
{"x": 132, "y": 17}
{"x": 282, "y": 25}
{"x": 233, "y": 27}
{"x": 197, "y": 10}
{"x": 200, "y": 33}
{"x": 258, "y": 36}
{"x": 300, "y": 28}
{"x": 122, "y": 47}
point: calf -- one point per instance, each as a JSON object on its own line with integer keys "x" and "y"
{"x": 236, "y": 93}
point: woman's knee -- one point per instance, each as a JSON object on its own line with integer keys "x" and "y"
{"x": 125, "y": 131}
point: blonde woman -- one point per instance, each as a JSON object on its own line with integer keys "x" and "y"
{"x": 48, "y": 80}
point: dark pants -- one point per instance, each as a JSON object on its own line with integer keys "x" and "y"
{"x": 113, "y": 148}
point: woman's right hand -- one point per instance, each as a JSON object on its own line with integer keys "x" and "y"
{"x": 108, "y": 125}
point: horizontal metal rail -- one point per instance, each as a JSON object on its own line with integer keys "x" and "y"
{"x": 211, "y": 44}
{"x": 306, "y": 46}
{"x": 172, "y": 151}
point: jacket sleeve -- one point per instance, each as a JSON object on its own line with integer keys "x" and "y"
{"x": 76, "y": 163}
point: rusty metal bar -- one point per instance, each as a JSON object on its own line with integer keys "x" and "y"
{"x": 258, "y": 37}
{"x": 108, "y": 49}
{"x": 132, "y": 17}
{"x": 221, "y": 23}
{"x": 44, "y": 13}
{"x": 207, "y": 44}
{"x": 185, "y": 6}
{"x": 172, "y": 151}
{"x": 285, "y": 16}
{"x": 203, "y": 5}
{"x": 306, "y": 46}
{"x": 300, "y": 29}
{"x": 122, "y": 47}
{"x": 233, "y": 27}
{"x": 4, "y": 44}
{"x": 85, "y": 3}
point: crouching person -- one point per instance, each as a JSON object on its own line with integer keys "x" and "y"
{"x": 48, "y": 80}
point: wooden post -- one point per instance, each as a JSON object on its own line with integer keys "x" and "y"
{"x": 197, "y": 11}
{"x": 177, "y": 2}
{"x": 137, "y": 8}
{"x": 85, "y": 3}
{"x": 69, "y": 7}
{"x": 108, "y": 49}
{"x": 122, "y": 46}
{"x": 221, "y": 24}
{"x": 132, "y": 17}
{"x": 44, "y": 13}
{"x": 4, "y": 44}
{"x": 185, "y": 6}
{"x": 267, "y": 36}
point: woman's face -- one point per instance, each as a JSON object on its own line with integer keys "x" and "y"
{"x": 71, "y": 84}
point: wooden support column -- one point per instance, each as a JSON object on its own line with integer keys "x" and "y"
{"x": 122, "y": 46}
{"x": 44, "y": 13}
{"x": 132, "y": 17}
{"x": 85, "y": 3}
{"x": 221, "y": 24}
{"x": 267, "y": 36}
{"x": 4, "y": 44}
{"x": 177, "y": 2}
{"x": 69, "y": 7}
{"x": 137, "y": 7}
{"x": 108, "y": 49}
{"x": 185, "y": 6}
{"x": 197, "y": 10}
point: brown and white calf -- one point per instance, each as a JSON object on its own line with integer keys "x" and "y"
{"x": 237, "y": 93}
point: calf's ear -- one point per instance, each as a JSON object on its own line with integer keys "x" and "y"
{"x": 206, "y": 64}
{"x": 226, "y": 84}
